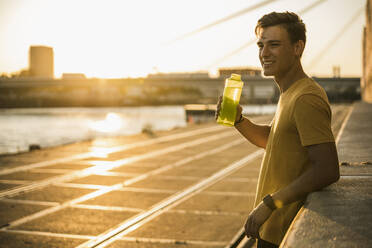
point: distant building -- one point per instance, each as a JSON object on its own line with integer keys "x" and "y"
{"x": 180, "y": 75}
{"x": 41, "y": 62}
{"x": 245, "y": 72}
{"x": 336, "y": 71}
{"x": 73, "y": 76}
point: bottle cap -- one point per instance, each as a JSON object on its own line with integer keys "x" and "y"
{"x": 235, "y": 77}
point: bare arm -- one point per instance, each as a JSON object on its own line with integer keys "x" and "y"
{"x": 323, "y": 171}
{"x": 255, "y": 133}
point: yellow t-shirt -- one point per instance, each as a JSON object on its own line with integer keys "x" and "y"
{"x": 302, "y": 118}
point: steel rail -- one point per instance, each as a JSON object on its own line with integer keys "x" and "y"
{"x": 344, "y": 123}
{"x": 113, "y": 165}
{"x": 107, "y": 189}
{"x": 119, "y": 185}
{"x": 133, "y": 223}
{"x": 112, "y": 150}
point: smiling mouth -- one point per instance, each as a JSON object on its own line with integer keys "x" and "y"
{"x": 266, "y": 63}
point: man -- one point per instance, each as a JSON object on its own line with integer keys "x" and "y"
{"x": 300, "y": 154}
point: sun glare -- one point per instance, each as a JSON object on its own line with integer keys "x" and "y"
{"x": 112, "y": 123}
{"x": 116, "y": 39}
{"x": 100, "y": 152}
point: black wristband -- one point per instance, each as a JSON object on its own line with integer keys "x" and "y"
{"x": 241, "y": 119}
{"x": 269, "y": 202}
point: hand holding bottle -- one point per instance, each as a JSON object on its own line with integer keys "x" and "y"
{"x": 227, "y": 106}
{"x": 239, "y": 109}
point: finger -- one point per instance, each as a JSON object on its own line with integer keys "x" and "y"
{"x": 249, "y": 227}
{"x": 218, "y": 107}
{"x": 219, "y": 103}
{"x": 246, "y": 228}
{"x": 217, "y": 113}
{"x": 239, "y": 109}
{"x": 238, "y": 113}
{"x": 255, "y": 230}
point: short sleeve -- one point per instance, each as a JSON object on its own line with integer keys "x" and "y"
{"x": 312, "y": 117}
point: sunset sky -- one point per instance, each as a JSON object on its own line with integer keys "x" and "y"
{"x": 130, "y": 38}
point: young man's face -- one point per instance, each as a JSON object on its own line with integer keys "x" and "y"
{"x": 276, "y": 52}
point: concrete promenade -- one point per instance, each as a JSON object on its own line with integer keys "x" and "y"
{"x": 340, "y": 215}
{"x": 187, "y": 187}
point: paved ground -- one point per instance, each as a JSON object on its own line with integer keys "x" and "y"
{"x": 189, "y": 187}
{"x": 355, "y": 143}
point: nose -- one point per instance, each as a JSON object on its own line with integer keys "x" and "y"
{"x": 265, "y": 52}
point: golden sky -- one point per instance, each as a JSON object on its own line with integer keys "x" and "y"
{"x": 129, "y": 38}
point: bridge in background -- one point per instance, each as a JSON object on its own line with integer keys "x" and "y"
{"x": 151, "y": 91}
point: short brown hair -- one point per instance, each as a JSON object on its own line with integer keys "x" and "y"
{"x": 288, "y": 20}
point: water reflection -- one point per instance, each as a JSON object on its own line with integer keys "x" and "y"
{"x": 54, "y": 126}
{"x": 112, "y": 123}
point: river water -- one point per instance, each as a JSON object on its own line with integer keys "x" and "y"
{"x": 46, "y": 127}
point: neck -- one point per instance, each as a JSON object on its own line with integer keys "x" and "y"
{"x": 285, "y": 81}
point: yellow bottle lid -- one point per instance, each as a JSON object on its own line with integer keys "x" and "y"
{"x": 234, "y": 81}
{"x": 235, "y": 77}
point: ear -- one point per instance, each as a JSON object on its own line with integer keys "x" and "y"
{"x": 299, "y": 48}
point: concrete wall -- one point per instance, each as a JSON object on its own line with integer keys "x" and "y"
{"x": 366, "y": 82}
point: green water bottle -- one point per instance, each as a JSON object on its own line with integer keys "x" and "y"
{"x": 231, "y": 97}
